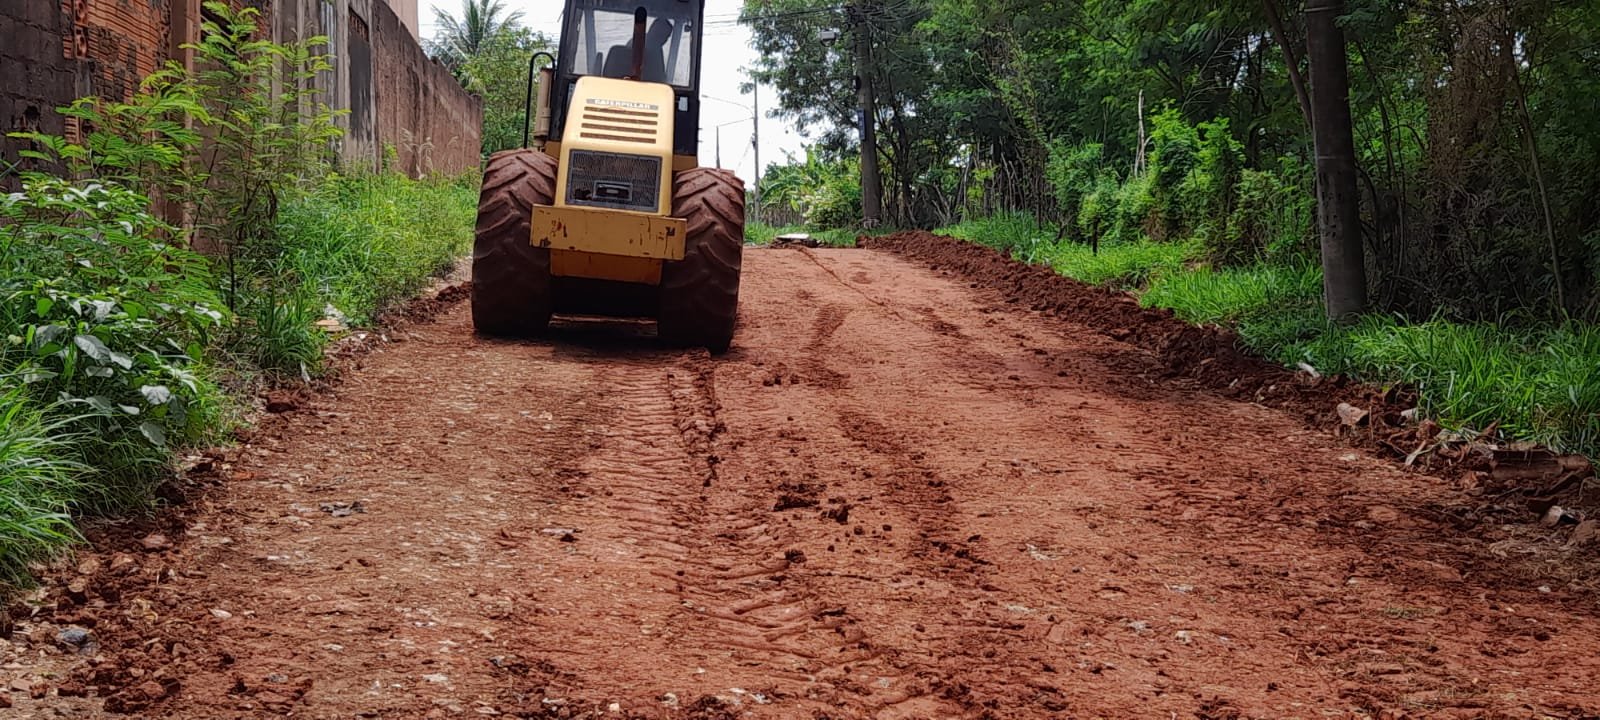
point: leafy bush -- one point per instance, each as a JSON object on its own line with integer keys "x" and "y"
{"x": 1206, "y": 196}
{"x": 1074, "y": 172}
{"x": 835, "y": 204}
{"x": 1137, "y": 216}
{"x": 104, "y": 317}
{"x": 1175, "y": 152}
{"x": 1273, "y": 217}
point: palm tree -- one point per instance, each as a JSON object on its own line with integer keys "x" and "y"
{"x": 480, "y": 23}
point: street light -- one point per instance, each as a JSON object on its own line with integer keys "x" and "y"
{"x": 755, "y": 118}
{"x": 719, "y": 137}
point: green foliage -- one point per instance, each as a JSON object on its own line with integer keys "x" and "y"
{"x": 482, "y": 24}
{"x": 1123, "y": 265}
{"x": 1075, "y": 172}
{"x": 365, "y": 243}
{"x": 498, "y": 72}
{"x": 270, "y": 137}
{"x": 38, "y": 483}
{"x": 1474, "y": 125}
{"x": 111, "y": 326}
{"x": 1017, "y": 234}
{"x": 1120, "y": 264}
{"x": 282, "y": 338}
{"x": 103, "y": 317}
{"x": 825, "y": 194}
{"x": 1274, "y": 217}
{"x": 141, "y": 143}
{"x": 1227, "y": 297}
{"x": 1538, "y": 384}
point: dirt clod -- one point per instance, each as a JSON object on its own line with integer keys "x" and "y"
{"x": 282, "y": 402}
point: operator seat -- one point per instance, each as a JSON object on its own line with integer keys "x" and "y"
{"x": 619, "y": 62}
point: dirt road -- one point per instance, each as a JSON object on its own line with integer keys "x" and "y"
{"x": 899, "y": 496}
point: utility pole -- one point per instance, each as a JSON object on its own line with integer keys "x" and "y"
{"x": 871, "y": 180}
{"x": 755, "y": 119}
{"x": 755, "y": 94}
{"x": 1344, "y": 270}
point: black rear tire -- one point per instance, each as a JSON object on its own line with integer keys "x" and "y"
{"x": 511, "y": 277}
{"x": 700, "y": 293}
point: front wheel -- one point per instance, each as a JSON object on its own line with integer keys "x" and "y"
{"x": 511, "y": 277}
{"x": 700, "y": 293}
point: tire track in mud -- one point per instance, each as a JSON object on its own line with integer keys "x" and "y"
{"x": 933, "y": 562}
{"x": 739, "y": 594}
{"x": 891, "y": 509}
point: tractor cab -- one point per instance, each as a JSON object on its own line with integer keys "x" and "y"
{"x": 652, "y": 41}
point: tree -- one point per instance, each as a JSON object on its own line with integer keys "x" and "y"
{"x": 480, "y": 25}
{"x": 1344, "y": 274}
{"x": 1463, "y": 136}
{"x": 498, "y": 73}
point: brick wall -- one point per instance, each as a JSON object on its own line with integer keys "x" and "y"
{"x": 35, "y": 78}
{"x": 53, "y": 51}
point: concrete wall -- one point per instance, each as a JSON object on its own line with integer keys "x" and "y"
{"x": 395, "y": 95}
{"x": 423, "y": 112}
{"x": 406, "y": 10}
{"x": 53, "y": 51}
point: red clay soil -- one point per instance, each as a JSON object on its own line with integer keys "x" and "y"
{"x": 900, "y": 496}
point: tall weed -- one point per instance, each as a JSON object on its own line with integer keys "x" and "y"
{"x": 38, "y": 485}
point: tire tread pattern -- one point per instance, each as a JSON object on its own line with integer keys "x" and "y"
{"x": 700, "y": 294}
{"x": 511, "y": 277}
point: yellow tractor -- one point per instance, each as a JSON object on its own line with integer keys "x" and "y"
{"x": 609, "y": 214}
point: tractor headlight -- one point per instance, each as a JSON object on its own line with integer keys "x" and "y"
{"x": 612, "y": 180}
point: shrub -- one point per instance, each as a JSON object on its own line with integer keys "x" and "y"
{"x": 1273, "y": 216}
{"x": 106, "y": 317}
{"x": 1206, "y": 195}
{"x": 1074, "y": 172}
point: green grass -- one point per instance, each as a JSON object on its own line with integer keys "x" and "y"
{"x": 366, "y": 243}
{"x": 761, "y": 234}
{"x": 1536, "y": 383}
{"x": 1125, "y": 265}
{"x": 1202, "y": 295}
{"x": 76, "y": 442}
{"x": 38, "y": 486}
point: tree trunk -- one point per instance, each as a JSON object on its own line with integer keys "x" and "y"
{"x": 871, "y": 181}
{"x": 1344, "y": 273}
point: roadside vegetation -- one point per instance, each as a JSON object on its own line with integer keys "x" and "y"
{"x": 1166, "y": 149}
{"x": 1532, "y": 381}
{"x": 175, "y": 257}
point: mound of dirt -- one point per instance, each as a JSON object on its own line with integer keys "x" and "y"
{"x": 1211, "y": 356}
{"x": 1207, "y": 354}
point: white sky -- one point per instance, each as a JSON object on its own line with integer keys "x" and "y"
{"x": 726, "y": 56}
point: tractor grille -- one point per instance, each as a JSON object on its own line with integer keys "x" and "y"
{"x": 610, "y": 180}
{"x": 619, "y": 124}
